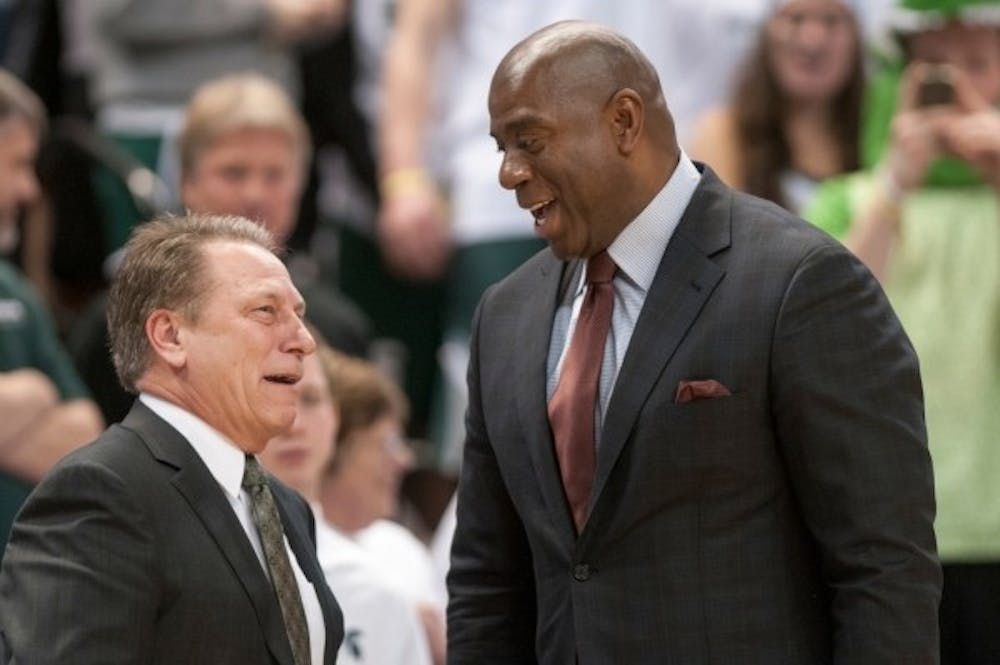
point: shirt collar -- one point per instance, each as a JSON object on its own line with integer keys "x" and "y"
{"x": 639, "y": 247}
{"x": 225, "y": 461}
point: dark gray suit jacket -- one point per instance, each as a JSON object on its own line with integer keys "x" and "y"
{"x": 129, "y": 552}
{"x": 789, "y": 523}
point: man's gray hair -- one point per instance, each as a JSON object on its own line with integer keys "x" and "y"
{"x": 164, "y": 268}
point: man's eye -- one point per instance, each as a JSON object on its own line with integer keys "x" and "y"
{"x": 530, "y": 145}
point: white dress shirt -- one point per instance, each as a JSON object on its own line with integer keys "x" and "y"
{"x": 225, "y": 461}
{"x": 637, "y": 251}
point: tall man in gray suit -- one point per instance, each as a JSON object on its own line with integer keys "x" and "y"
{"x": 695, "y": 432}
{"x": 163, "y": 542}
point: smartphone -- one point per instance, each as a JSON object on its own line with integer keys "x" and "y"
{"x": 936, "y": 88}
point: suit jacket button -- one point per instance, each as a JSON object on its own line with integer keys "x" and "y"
{"x": 581, "y": 572}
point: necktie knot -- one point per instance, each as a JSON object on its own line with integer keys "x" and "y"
{"x": 600, "y": 268}
{"x": 253, "y": 475}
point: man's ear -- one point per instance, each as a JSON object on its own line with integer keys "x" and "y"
{"x": 163, "y": 330}
{"x": 626, "y": 114}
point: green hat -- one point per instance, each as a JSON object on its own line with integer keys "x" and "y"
{"x": 919, "y": 15}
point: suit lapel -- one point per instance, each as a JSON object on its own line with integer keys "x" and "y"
{"x": 206, "y": 499}
{"x": 534, "y": 332}
{"x": 683, "y": 284}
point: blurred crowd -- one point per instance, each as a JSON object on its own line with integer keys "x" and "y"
{"x": 358, "y": 133}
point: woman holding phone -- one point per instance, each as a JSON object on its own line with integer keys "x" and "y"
{"x": 925, "y": 219}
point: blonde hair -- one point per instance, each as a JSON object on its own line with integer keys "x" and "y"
{"x": 235, "y": 103}
{"x": 363, "y": 395}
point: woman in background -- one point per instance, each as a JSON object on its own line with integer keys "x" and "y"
{"x": 360, "y": 489}
{"x": 381, "y": 626}
{"x": 794, "y": 116}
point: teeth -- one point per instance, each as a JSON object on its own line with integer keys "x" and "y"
{"x": 539, "y": 206}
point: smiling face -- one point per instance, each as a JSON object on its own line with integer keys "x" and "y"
{"x": 299, "y": 456}
{"x": 560, "y": 156}
{"x": 813, "y": 48}
{"x": 253, "y": 173}
{"x": 238, "y": 361}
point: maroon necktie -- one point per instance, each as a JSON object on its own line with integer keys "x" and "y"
{"x": 571, "y": 409}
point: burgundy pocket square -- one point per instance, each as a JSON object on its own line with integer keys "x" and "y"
{"x": 688, "y": 391}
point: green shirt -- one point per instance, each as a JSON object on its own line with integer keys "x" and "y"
{"x": 28, "y": 339}
{"x": 944, "y": 283}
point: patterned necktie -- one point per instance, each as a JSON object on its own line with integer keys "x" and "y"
{"x": 265, "y": 517}
{"x": 571, "y": 409}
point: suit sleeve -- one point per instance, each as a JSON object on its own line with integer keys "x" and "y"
{"x": 491, "y": 611}
{"x": 848, "y": 409}
{"x": 78, "y": 583}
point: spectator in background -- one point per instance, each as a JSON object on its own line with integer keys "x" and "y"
{"x": 45, "y": 411}
{"x": 925, "y": 217}
{"x": 794, "y": 116}
{"x": 360, "y": 490}
{"x": 381, "y": 627}
{"x": 244, "y": 150}
{"x": 149, "y": 56}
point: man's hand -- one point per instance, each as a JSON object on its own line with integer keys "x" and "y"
{"x": 972, "y": 133}
{"x": 413, "y": 228}
{"x": 915, "y": 139}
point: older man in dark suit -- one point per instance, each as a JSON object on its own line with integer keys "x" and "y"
{"x": 163, "y": 541}
{"x": 695, "y": 431}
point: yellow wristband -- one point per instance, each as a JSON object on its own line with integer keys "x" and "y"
{"x": 405, "y": 181}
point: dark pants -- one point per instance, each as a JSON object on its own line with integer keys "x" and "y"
{"x": 970, "y": 614}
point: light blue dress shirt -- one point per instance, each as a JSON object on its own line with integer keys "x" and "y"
{"x": 637, "y": 252}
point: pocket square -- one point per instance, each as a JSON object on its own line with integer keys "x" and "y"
{"x": 688, "y": 391}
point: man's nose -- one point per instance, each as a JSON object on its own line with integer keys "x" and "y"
{"x": 301, "y": 340}
{"x": 513, "y": 171}
{"x": 254, "y": 191}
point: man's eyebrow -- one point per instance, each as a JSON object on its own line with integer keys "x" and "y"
{"x": 520, "y": 122}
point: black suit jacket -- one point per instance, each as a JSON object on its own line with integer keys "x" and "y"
{"x": 129, "y": 552}
{"x": 789, "y": 523}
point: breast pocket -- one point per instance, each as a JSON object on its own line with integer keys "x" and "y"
{"x": 712, "y": 437}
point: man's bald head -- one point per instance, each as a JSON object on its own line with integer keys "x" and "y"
{"x": 585, "y": 62}
{"x": 585, "y": 56}
{"x": 587, "y": 139}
